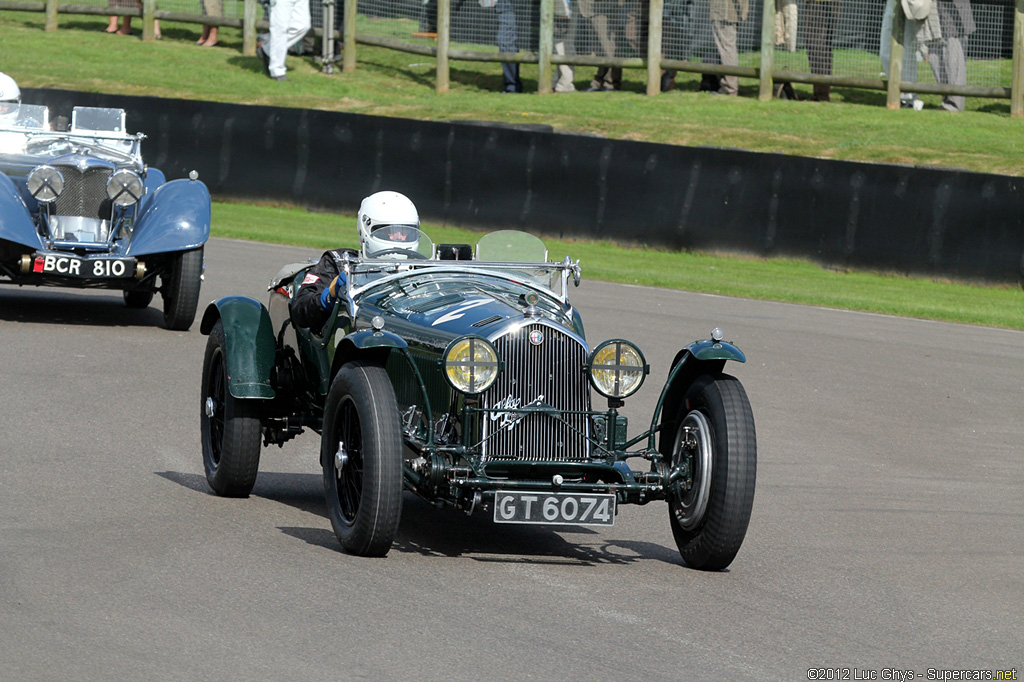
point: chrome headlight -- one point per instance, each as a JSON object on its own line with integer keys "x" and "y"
{"x": 125, "y": 187}
{"x": 471, "y": 364}
{"x": 617, "y": 369}
{"x": 45, "y": 183}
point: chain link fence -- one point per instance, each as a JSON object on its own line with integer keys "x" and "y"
{"x": 584, "y": 44}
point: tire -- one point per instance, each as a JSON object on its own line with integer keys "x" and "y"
{"x": 230, "y": 427}
{"x": 181, "y": 289}
{"x": 361, "y": 453}
{"x": 710, "y": 520}
{"x": 138, "y": 298}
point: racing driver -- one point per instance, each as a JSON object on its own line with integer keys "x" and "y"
{"x": 386, "y": 221}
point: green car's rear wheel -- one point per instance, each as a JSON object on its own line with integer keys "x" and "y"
{"x": 361, "y": 453}
{"x": 715, "y": 433}
{"x": 230, "y": 428}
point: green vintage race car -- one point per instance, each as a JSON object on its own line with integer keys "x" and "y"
{"x": 463, "y": 375}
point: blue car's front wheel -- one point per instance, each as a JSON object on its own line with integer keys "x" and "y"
{"x": 180, "y": 289}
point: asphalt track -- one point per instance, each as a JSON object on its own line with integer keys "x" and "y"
{"x": 887, "y": 533}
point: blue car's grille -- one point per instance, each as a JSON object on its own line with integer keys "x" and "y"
{"x": 551, "y": 371}
{"x": 85, "y": 193}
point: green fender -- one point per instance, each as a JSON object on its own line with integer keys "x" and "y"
{"x": 700, "y": 357}
{"x": 249, "y": 344}
{"x": 713, "y": 350}
{"x": 363, "y": 343}
{"x": 367, "y": 338}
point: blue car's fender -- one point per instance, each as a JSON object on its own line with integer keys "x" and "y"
{"x": 155, "y": 178}
{"x": 175, "y": 217}
{"x": 15, "y": 222}
{"x": 249, "y": 344}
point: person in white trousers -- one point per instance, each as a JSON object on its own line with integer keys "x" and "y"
{"x": 289, "y": 22}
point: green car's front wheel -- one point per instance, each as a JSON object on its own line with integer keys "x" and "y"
{"x": 230, "y": 428}
{"x": 361, "y": 453}
{"x": 715, "y": 434}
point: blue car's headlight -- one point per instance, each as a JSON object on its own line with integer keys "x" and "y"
{"x": 45, "y": 183}
{"x": 471, "y": 364}
{"x": 125, "y": 187}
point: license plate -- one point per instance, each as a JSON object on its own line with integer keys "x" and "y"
{"x": 579, "y": 509}
{"x": 73, "y": 266}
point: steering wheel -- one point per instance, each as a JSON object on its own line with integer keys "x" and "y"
{"x": 408, "y": 253}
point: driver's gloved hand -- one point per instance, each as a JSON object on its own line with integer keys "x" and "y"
{"x": 329, "y": 295}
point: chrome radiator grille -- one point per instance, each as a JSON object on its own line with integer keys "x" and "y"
{"x": 551, "y": 371}
{"x": 85, "y": 193}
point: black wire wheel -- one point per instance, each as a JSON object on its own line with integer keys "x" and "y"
{"x": 361, "y": 453}
{"x": 230, "y": 427}
{"x": 715, "y": 439}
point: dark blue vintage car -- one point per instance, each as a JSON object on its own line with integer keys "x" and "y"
{"x": 79, "y": 208}
{"x": 464, "y": 376}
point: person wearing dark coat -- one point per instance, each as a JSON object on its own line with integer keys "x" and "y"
{"x": 319, "y": 291}
{"x": 946, "y": 55}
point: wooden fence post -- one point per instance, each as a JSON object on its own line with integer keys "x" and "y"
{"x": 764, "y": 77}
{"x": 249, "y": 9}
{"x": 148, "y": 20}
{"x": 892, "y": 97}
{"x": 444, "y": 26}
{"x": 348, "y": 45}
{"x": 654, "y": 23}
{"x": 1017, "y": 84}
{"x": 51, "y": 15}
{"x": 545, "y": 46}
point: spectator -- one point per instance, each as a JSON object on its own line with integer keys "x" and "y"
{"x": 289, "y": 22}
{"x": 946, "y": 53}
{"x": 603, "y": 21}
{"x": 565, "y": 44}
{"x": 916, "y": 27}
{"x": 677, "y": 37}
{"x": 821, "y": 17}
{"x": 126, "y": 22}
{"x": 211, "y": 8}
{"x": 507, "y": 40}
{"x": 428, "y": 19}
{"x": 725, "y": 16}
{"x": 785, "y": 25}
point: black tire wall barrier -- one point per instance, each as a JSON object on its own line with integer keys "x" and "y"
{"x": 946, "y": 223}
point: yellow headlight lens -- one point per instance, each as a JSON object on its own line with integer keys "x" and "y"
{"x": 617, "y": 369}
{"x": 471, "y": 365}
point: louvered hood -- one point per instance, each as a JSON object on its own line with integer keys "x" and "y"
{"x": 457, "y": 311}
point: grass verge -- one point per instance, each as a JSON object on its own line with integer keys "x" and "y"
{"x": 789, "y": 281}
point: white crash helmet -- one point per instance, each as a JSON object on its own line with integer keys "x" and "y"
{"x": 10, "y": 94}
{"x": 387, "y": 220}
